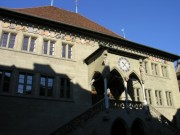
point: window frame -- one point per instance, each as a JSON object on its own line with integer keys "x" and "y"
{"x": 169, "y": 99}
{"x": 29, "y": 43}
{"x": 65, "y": 88}
{"x": 46, "y": 84}
{"x": 67, "y": 50}
{"x": 25, "y": 83}
{"x": 148, "y": 96}
{"x": 49, "y": 51}
{"x": 159, "y": 98}
{"x": 164, "y": 70}
{"x": 10, "y": 42}
{"x": 154, "y": 69}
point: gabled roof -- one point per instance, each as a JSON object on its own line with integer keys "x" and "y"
{"x": 66, "y": 17}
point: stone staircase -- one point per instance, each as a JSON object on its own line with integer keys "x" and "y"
{"x": 128, "y": 107}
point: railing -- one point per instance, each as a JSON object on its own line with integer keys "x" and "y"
{"x": 79, "y": 120}
{"x": 161, "y": 118}
{"x": 121, "y": 104}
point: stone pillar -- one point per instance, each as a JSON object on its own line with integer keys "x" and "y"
{"x": 126, "y": 91}
{"x": 106, "y": 98}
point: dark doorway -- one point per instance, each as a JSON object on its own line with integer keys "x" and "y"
{"x": 119, "y": 128}
{"x": 116, "y": 84}
{"x": 97, "y": 87}
{"x": 137, "y": 128}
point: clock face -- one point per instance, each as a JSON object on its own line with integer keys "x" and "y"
{"x": 124, "y": 64}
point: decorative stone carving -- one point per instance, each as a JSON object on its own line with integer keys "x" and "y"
{"x": 142, "y": 72}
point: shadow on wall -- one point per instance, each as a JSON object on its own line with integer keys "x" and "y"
{"x": 38, "y": 101}
{"x": 176, "y": 119}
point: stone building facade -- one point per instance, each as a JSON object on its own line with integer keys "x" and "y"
{"x": 64, "y": 74}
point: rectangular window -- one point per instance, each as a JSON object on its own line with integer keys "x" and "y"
{"x": 169, "y": 98}
{"x": 48, "y": 47}
{"x": 164, "y": 71}
{"x": 64, "y": 50}
{"x": 67, "y": 51}
{"x": 158, "y": 96}
{"x": 5, "y": 77}
{"x": 12, "y": 40}
{"x": 25, "y": 84}
{"x": 32, "y": 44}
{"x": 8, "y": 40}
{"x": 46, "y": 86}
{"x": 146, "y": 67}
{"x": 29, "y": 44}
{"x": 65, "y": 88}
{"x": 148, "y": 96}
{"x": 137, "y": 94}
{"x": 154, "y": 69}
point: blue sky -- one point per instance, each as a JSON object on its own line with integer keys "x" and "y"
{"x": 154, "y": 23}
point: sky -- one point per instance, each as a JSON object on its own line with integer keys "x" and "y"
{"x": 154, "y": 23}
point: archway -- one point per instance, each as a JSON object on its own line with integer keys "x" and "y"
{"x": 97, "y": 85}
{"x": 138, "y": 128}
{"x": 134, "y": 87}
{"x": 119, "y": 127}
{"x": 115, "y": 84}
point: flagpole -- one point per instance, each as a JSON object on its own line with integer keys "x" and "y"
{"x": 51, "y": 2}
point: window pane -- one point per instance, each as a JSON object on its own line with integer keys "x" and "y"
{"x": 6, "y": 83}
{"x": 63, "y": 50}
{"x": 69, "y": 51}
{"x": 32, "y": 45}
{"x": 45, "y": 47}
{"x": 12, "y": 40}
{"x": 4, "y": 39}
{"x": 51, "y": 48}
{"x": 25, "y": 43}
{"x": 29, "y": 79}
{"x": 20, "y": 89}
{"x": 28, "y": 89}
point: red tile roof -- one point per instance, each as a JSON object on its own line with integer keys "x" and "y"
{"x": 66, "y": 17}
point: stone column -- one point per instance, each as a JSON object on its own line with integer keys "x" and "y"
{"x": 106, "y": 98}
{"x": 126, "y": 91}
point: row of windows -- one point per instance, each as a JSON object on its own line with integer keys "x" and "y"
{"x": 26, "y": 84}
{"x": 29, "y": 44}
{"x": 158, "y": 96}
{"x": 155, "y": 69}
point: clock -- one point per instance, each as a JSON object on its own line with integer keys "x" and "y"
{"x": 124, "y": 64}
